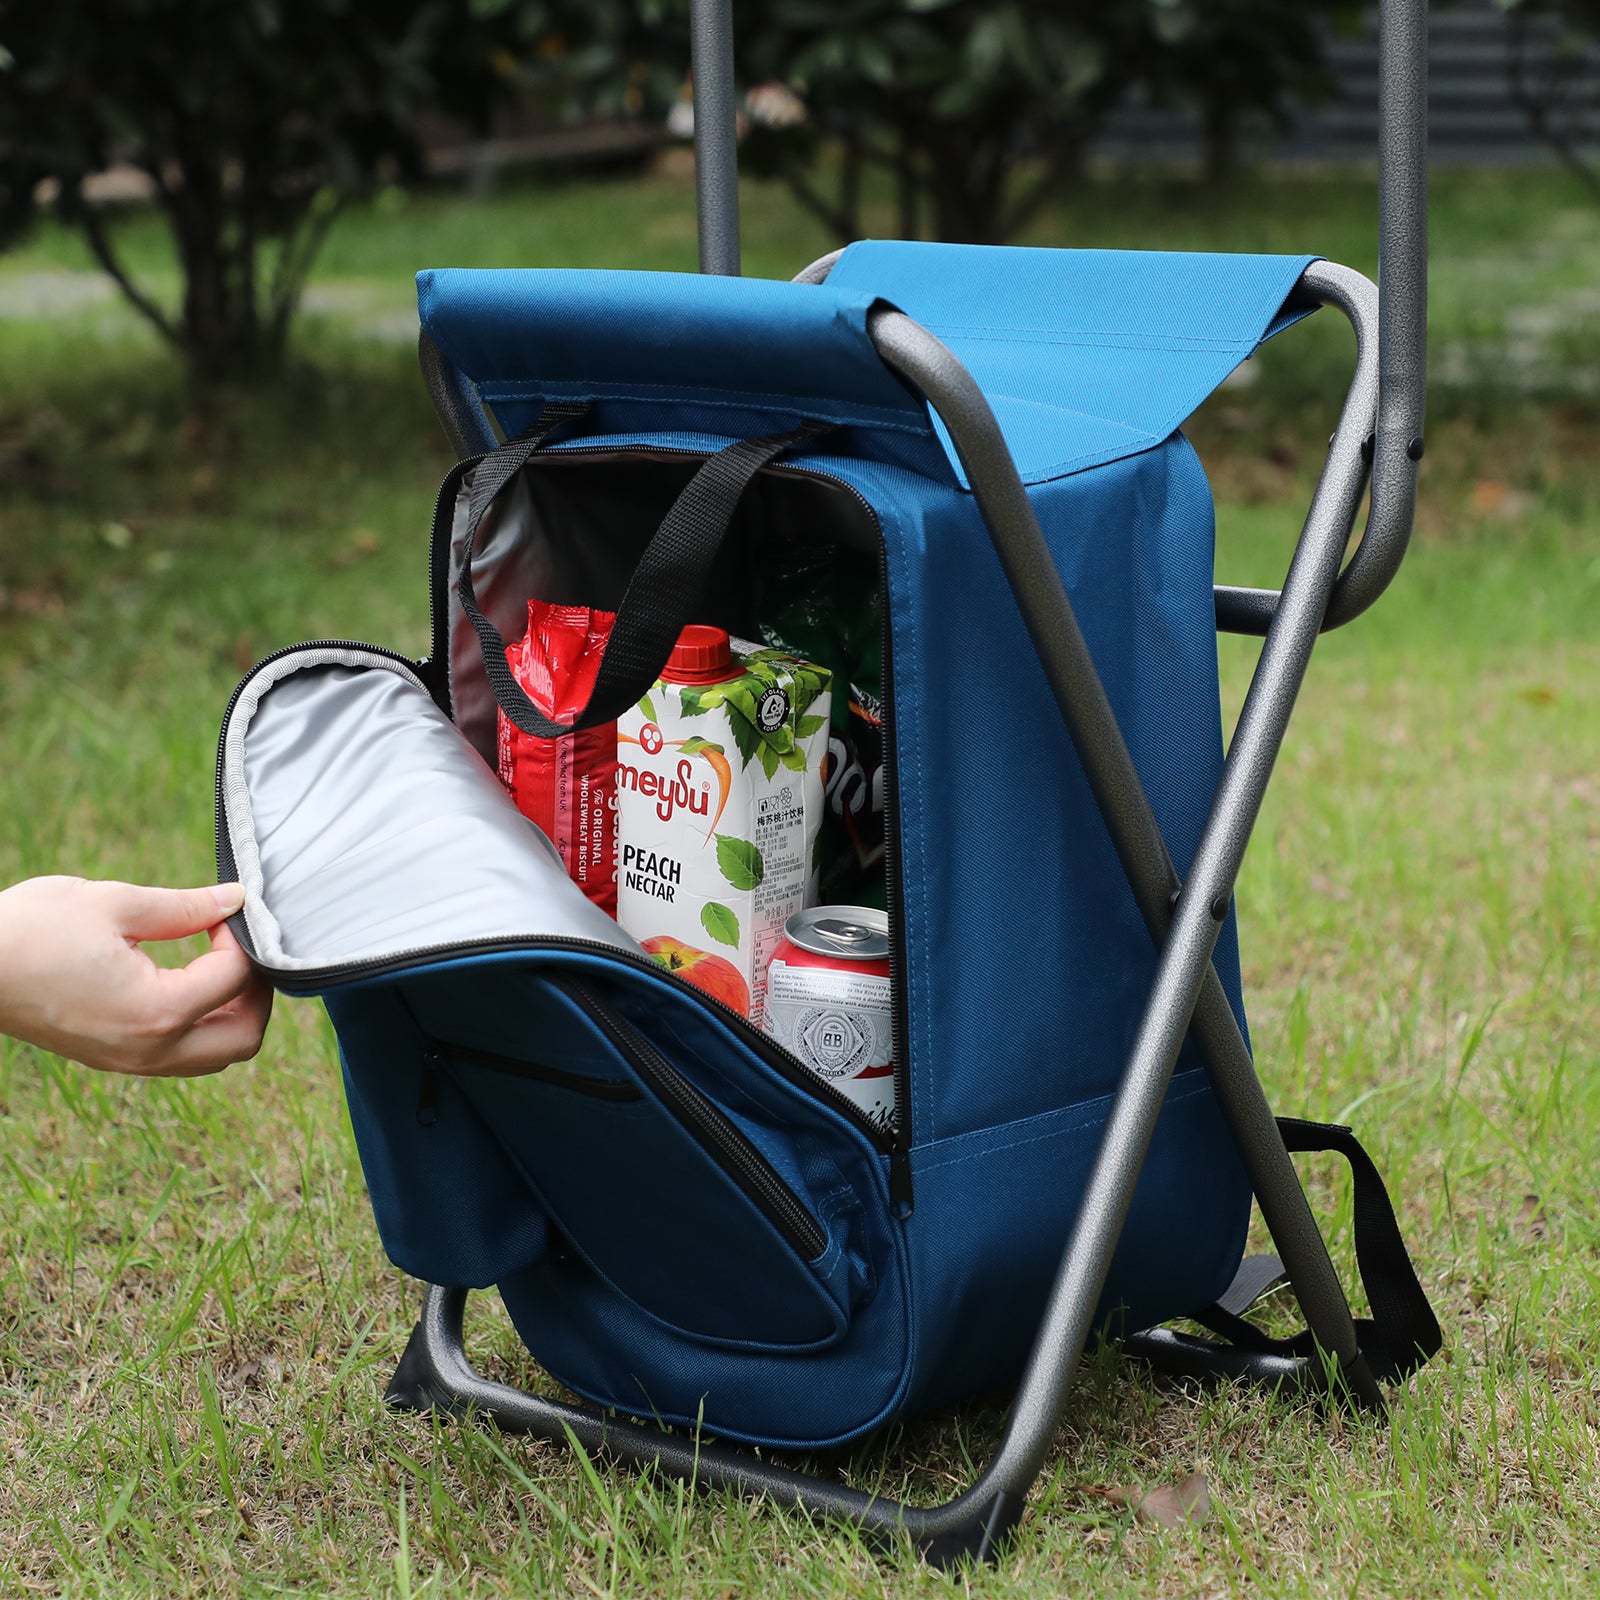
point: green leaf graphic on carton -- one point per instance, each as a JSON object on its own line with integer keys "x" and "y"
{"x": 740, "y": 862}
{"x": 647, "y": 705}
{"x": 806, "y": 687}
{"x": 804, "y": 727}
{"x": 694, "y": 744}
{"x": 742, "y": 698}
{"x": 745, "y": 734}
{"x": 695, "y": 702}
{"x": 720, "y": 923}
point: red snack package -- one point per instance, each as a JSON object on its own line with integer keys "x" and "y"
{"x": 566, "y": 787}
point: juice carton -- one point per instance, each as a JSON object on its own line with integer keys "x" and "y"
{"x": 719, "y": 802}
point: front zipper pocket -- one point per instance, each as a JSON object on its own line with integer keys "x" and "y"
{"x": 718, "y": 1135}
{"x": 660, "y": 1195}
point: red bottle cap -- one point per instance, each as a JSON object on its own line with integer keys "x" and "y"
{"x": 701, "y": 655}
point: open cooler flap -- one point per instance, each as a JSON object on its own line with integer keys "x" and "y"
{"x": 364, "y": 827}
{"x": 1086, "y": 356}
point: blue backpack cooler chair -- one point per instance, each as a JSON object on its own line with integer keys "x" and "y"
{"x": 686, "y": 1224}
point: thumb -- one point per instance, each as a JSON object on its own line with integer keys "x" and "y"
{"x": 147, "y": 913}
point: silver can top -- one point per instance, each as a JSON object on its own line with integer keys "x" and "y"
{"x": 847, "y": 933}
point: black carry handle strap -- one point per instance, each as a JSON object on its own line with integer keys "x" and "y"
{"x": 1403, "y": 1331}
{"x": 667, "y": 586}
{"x": 499, "y": 467}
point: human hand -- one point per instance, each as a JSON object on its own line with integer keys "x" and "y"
{"x": 74, "y": 980}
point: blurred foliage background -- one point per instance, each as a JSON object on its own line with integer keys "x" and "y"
{"x": 249, "y": 127}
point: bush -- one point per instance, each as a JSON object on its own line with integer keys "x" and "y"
{"x": 254, "y": 120}
{"x": 1553, "y": 73}
{"x": 982, "y": 109}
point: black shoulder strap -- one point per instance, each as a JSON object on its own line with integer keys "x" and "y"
{"x": 664, "y": 593}
{"x": 1403, "y": 1331}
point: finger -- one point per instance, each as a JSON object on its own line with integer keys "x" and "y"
{"x": 214, "y": 1042}
{"x": 233, "y": 1032}
{"x": 254, "y": 1003}
{"x": 207, "y": 983}
{"x": 142, "y": 912}
{"x": 222, "y": 937}
{"x": 256, "y": 997}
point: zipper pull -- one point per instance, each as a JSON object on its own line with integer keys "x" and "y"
{"x": 428, "y": 1088}
{"x": 901, "y": 1201}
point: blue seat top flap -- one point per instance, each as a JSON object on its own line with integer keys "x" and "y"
{"x": 1086, "y": 355}
{"x": 678, "y": 338}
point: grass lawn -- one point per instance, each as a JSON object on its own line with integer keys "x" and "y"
{"x": 196, "y": 1321}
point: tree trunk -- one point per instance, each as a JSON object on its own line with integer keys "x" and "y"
{"x": 907, "y": 223}
{"x": 223, "y": 338}
{"x": 968, "y": 183}
{"x": 230, "y": 327}
{"x": 850, "y": 189}
{"x": 213, "y": 214}
{"x": 1220, "y": 132}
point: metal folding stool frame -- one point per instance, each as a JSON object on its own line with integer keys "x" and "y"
{"x": 1379, "y": 435}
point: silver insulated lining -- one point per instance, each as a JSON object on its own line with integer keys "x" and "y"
{"x": 364, "y": 827}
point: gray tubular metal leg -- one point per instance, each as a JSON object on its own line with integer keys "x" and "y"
{"x": 436, "y": 1374}
{"x": 716, "y": 135}
{"x": 1402, "y": 335}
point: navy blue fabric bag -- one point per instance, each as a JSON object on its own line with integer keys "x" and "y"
{"x": 682, "y": 1220}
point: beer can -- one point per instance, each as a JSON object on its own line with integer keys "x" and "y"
{"x": 828, "y": 1002}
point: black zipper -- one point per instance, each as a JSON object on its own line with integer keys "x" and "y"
{"x": 897, "y": 1144}
{"x": 710, "y": 1127}
{"x": 440, "y": 1051}
{"x": 902, "y": 1200}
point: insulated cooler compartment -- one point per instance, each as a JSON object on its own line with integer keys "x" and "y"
{"x": 617, "y": 1125}
{"x": 570, "y": 528}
